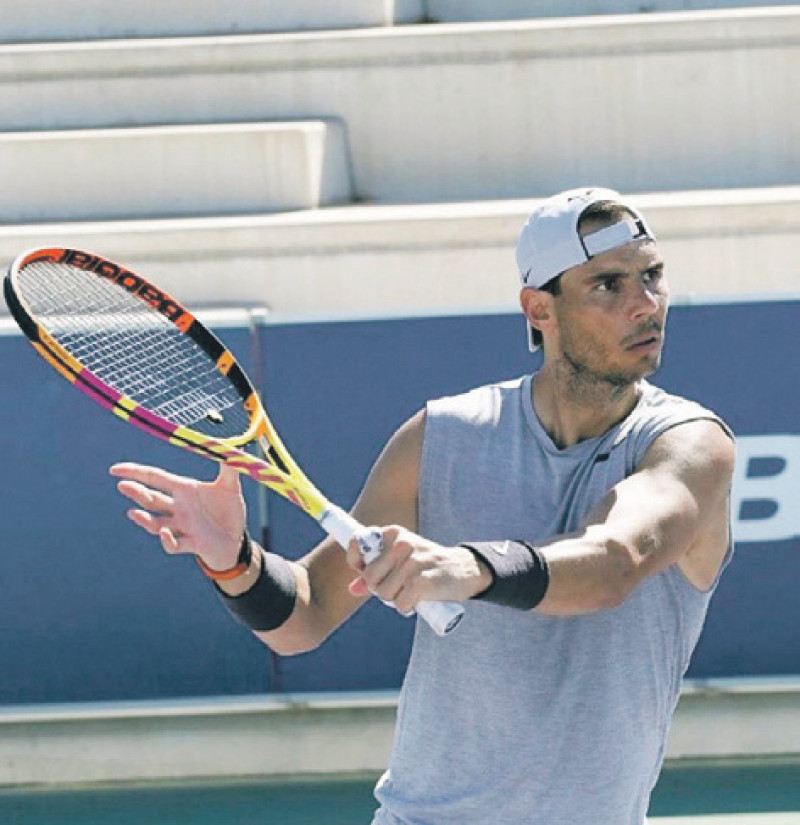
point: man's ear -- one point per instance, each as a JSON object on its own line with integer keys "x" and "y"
{"x": 538, "y": 308}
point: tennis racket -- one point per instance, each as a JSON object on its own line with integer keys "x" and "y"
{"x": 138, "y": 352}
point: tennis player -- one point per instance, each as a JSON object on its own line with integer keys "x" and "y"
{"x": 582, "y": 515}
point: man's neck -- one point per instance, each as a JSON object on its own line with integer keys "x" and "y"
{"x": 573, "y": 408}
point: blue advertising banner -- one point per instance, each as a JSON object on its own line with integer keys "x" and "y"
{"x": 742, "y": 360}
{"x": 94, "y": 610}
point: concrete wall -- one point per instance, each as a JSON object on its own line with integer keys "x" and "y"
{"x": 475, "y": 10}
{"x": 53, "y": 20}
{"x": 173, "y": 170}
{"x": 439, "y": 136}
{"x": 462, "y": 112}
{"x": 314, "y": 734}
{"x": 48, "y": 20}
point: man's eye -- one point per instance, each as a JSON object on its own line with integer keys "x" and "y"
{"x": 607, "y": 285}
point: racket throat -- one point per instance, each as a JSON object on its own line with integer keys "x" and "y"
{"x": 276, "y": 458}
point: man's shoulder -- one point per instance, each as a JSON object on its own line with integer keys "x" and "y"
{"x": 655, "y": 396}
{"x": 659, "y": 412}
{"x": 478, "y": 402}
{"x": 658, "y": 403}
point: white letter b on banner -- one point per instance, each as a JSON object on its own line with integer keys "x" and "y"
{"x": 773, "y": 495}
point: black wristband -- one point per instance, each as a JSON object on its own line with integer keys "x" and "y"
{"x": 270, "y": 601}
{"x": 520, "y": 574}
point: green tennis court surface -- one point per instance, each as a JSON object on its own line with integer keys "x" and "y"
{"x": 729, "y": 794}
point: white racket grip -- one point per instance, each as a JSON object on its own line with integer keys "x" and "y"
{"x": 443, "y": 617}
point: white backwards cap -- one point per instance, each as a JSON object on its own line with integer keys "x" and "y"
{"x": 550, "y": 243}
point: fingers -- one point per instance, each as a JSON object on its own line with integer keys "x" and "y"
{"x": 169, "y": 540}
{"x": 147, "y": 521}
{"x": 358, "y": 588}
{"x": 153, "y": 477}
{"x": 155, "y": 509}
{"x": 407, "y": 587}
{"x": 395, "y": 575}
{"x": 355, "y": 557}
{"x": 147, "y": 498}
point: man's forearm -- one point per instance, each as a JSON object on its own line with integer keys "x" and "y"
{"x": 271, "y": 598}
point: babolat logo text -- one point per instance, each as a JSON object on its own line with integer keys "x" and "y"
{"x": 127, "y": 280}
{"x": 766, "y": 488}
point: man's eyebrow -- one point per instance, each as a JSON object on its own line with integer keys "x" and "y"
{"x": 615, "y": 272}
{"x": 606, "y": 274}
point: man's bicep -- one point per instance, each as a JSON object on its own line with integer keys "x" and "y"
{"x": 390, "y": 493}
{"x": 681, "y": 485}
{"x": 389, "y": 496}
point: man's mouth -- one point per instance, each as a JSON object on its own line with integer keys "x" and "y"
{"x": 645, "y": 341}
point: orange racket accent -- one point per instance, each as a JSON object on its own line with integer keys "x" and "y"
{"x": 42, "y": 255}
{"x": 184, "y": 321}
{"x": 225, "y": 362}
{"x": 57, "y": 356}
{"x": 55, "y": 363}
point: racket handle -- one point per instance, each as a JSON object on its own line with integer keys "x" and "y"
{"x": 443, "y": 617}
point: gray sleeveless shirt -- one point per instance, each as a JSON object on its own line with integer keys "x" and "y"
{"x": 518, "y": 718}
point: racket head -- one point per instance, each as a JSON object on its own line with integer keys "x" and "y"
{"x": 138, "y": 352}
{"x": 130, "y": 345}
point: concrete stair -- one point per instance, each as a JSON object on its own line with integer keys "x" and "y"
{"x": 172, "y": 170}
{"x": 657, "y": 102}
{"x": 449, "y": 11}
{"x": 64, "y": 20}
{"x": 53, "y": 20}
{"x": 424, "y": 258}
{"x": 387, "y": 170}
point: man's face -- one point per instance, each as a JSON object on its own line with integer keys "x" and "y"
{"x": 611, "y": 313}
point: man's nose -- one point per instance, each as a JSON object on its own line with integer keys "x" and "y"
{"x": 645, "y": 300}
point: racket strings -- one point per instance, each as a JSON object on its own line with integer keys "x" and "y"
{"x": 132, "y": 348}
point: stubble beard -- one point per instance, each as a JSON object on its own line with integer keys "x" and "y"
{"x": 590, "y": 385}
